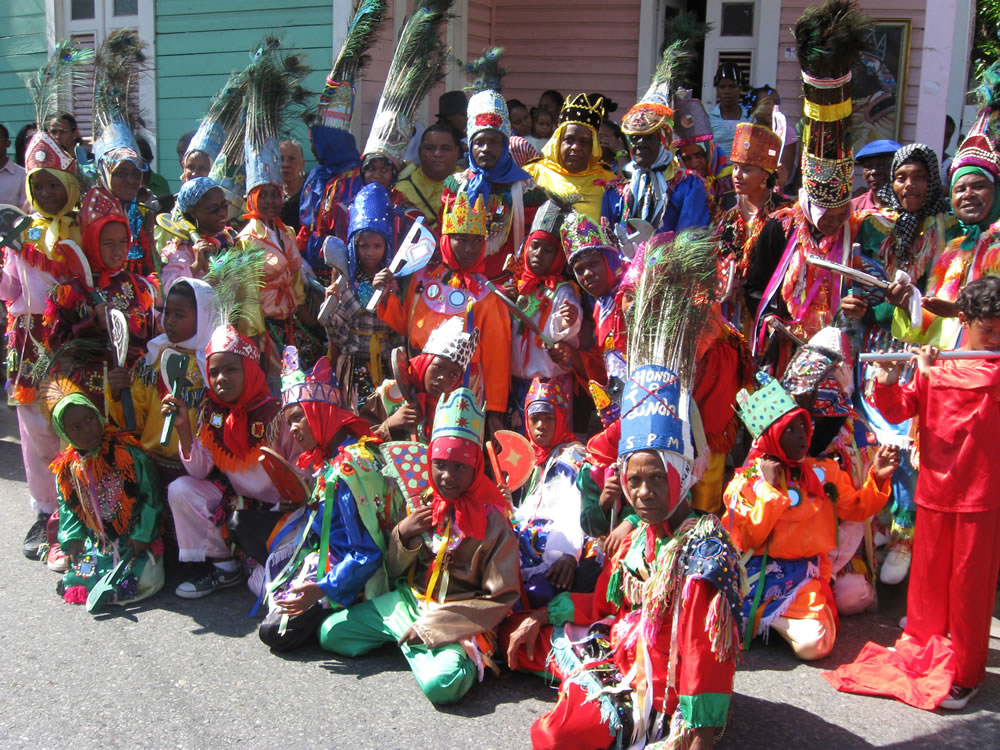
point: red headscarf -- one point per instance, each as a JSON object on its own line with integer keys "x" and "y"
{"x": 325, "y": 421}
{"x": 418, "y": 368}
{"x": 470, "y": 277}
{"x": 237, "y": 422}
{"x": 528, "y": 281}
{"x": 472, "y": 506}
{"x": 768, "y": 443}
{"x": 92, "y": 249}
{"x": 254, "y": 213}
{"x": 561, "y": 434}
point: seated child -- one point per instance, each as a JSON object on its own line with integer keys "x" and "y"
{"x": 188, "y": 321}
{"x": 345, "y": 526}
{"x": 109, "y": 501}
{"x": 236, "y": 418}
{"x": 362, "y": 341}
{"x": 652, "y": 652}
{"x": 782, "y": 507}
{"x": 455, "y": 564}
{"x": 435, "y": 372}
{"x": 547, "y": 522}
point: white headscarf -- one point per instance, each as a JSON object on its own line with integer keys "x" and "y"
{"x": 204, "y": 298}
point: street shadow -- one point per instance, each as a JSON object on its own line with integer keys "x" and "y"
{"x": 387, "y": 658}
{"x": 11, "y": 463}
{"x": 981, "y": 732}
{"x": 754, "y": 722}
{"x": 493, "y": 691}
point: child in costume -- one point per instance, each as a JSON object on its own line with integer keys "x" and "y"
{"x": 362, "y": 341}
{"x": 455, "y": 563}
{"x": 188, "y": 321}
{"x": 272, "y": 86}
{"x": 202, "y": 203}
{"x": 76, "y": 311}
{"x": 940, "y": 660}
{"x": 28, "y": 275}
{"x": 220, "y": 449}
{"x": 433, "y": 373}
{"x": 550, "y": 300}
{"x": 551, "y": 541}
{"x": 782, "y": 508}
{"x": 652, "y": 652}
{"x": 332, "y": 552}
{"x": 110, "y": 501}
{"x": 451, "y": 287}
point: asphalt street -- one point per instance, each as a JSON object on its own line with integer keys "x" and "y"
{"x": 173, "y": 673}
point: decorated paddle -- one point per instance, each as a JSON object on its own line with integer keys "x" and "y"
{"x": 521, "y": 315}
{"x": 175, "y": 367}
{"x": 118, "y": 330}
{"x": 289, "y": 483}
{"x": 415, "y": 253}
{"x": 13, "y": 224}
{"x": 103, "y": 592}
{"x": 407, "y": 464}
{"x": 407, "y": 388}
{"x": 513, "y": 463}
{"x": 178, "y": 227}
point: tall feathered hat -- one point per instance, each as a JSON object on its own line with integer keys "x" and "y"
{"x": 46, "y": 85}
{"x": 829, "y": 40}
{"x": 487, "y": 109}
{"x": 654, "y": 111}
{"x": 119, "y": 63}
{"x": 674, "y": 295}
{"x": 223, "y": 122}
{"x": 979, "y": 149}
{"x": 336, "y": 103}
{"x": 487, "y": 71}
{"x": 274, "y": 93}
{"x": 235, "y": 275}
{"x": 417, "y": 65}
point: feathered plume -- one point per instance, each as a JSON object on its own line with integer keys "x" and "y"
{"x": 274, "y": 91}
{"x": 830, "y": 38}
{"x": 687, "y": 31}
{"x": 56, "y": 77}
{"x": 487, "y": 71}
{"x": 228, "y": 107}
{"x": 117, "y": 67}
{"x": 676, "y": 58}
{"x": 987, "y": 95}
{"x": 676, "y": 290}
{"x": 360, "y": 35}
{"x": 68, "y": 356}
{"x": 235, "y": 275}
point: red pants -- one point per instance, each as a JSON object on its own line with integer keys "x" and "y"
{"x": 953, "y": 581}
{"x": 574, "y": 723}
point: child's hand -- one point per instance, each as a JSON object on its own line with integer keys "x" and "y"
{"x": 415, "y": 524}
{"x": 611, "y": 493}
{"x": 568, "y": 314}
{"x": 119, "y": 379}
{"x": 562, "y": 572}
{"x": 307, "y": 594}
{"x": 72, "y": 549}
{"x": 526, "y": 635}
{"x": 887, "y": 373}
{"x": 406, "y": 417}
{"x": 926, "y": 357}
{"x": 886, "y": 462}
{"x": 173, "y": 405}
{"x": 616, "y": 537}
{"x": 384, "y": 278}
{"x": 561, "y": 353}
{"x": 508, "y": 495}
{"x": 770, "y": 469}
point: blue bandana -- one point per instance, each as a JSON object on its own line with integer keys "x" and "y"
{"x": 481, "y": 183}
{"x": 193, "y": 191}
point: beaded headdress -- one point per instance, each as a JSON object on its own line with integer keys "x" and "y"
{"x": 585, "y": 109}
{"x": 757, "y": 146}
{"x": 654, "y": 110}
{"x": 579, "y": 233}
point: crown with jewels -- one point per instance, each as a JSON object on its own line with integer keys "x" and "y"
{"x": 461, "y": 218}
{"x": 580, "y": 108}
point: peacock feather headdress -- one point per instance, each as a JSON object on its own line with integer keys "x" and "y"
{"x": 417, "y": 65}
{"x": 118, "y": 65}
{"x": 486, "y": 71}
{"x": 655, "y": 110}
{"x": 55, "y": 79}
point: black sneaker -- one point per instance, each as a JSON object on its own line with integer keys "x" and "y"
{"x": 958, "y": 698}
{"x": 35, "y": 537}
{"x": 209, "y": 582}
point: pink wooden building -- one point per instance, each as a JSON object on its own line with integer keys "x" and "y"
{"x": 611, "y": 46}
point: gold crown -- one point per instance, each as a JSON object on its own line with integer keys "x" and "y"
{"x": 580, "y": 108}
{"x": 461, "y": 218}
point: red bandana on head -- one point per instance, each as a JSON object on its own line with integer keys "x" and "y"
{"x": 528, "y": 281}
{"x": 472, "y": 506}
{"x": 253, "y": 212}
{"x": 236, "y": 429}
{"x": 325, "y": 421}
{"x": 99, "y": 208}
{"x": 768, "y": 443}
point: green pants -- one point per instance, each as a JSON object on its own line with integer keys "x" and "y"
{"x": 444, "y": 674}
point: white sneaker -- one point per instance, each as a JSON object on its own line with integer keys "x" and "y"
{"x": 958, "y": 698}
{"x": 896, "y": 565}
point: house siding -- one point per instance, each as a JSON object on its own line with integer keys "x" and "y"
{"x": 570, "y": 46}
{"x": 198, "y": 46}
{"x": 789, "y": 83}
{"x": 23, "y": 48}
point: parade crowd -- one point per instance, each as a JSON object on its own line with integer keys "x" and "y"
{"x": 527, "y": 388}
